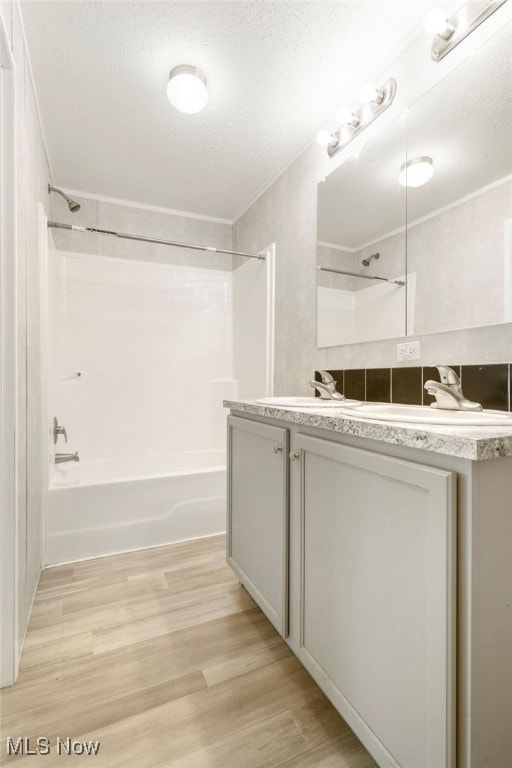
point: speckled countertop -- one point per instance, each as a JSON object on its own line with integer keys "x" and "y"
{"x": 475, "y": 443}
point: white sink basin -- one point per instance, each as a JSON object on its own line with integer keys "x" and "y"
{"x": 424, "y": 414}
{"x": 307, "y": 402}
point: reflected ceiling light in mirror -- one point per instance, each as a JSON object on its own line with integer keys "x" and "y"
{"x": 450, "y": 32}
{"x": 187, "y": 89}
{"x": 416, "y": 172}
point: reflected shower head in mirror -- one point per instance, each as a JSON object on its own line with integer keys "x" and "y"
{"x": 72, "y": 204}
{"x": 366, "y": 262}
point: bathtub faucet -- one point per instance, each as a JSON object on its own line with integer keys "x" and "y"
{"x": 60, "y": 458}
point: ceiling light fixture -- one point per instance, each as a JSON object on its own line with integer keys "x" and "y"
{"x": 450, "y": 32}
{"x": 352, "y": 123}
{"x": 186, "y": 89}
{"x": 416, "y": 172}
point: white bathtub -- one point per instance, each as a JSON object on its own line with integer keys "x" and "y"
{"x": 100, "y": 508}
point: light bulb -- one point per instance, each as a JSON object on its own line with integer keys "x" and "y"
{"x": 345, "y": 116}
{"x": 416, "y": 172}
{"x": 186, "y": 89}
{"x": 435, "y": 22}
{"x": 368, "y": 92}
{"x": 323, "y": 137}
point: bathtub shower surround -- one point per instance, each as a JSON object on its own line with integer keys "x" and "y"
{"x": 352, "y": 310}
{"x": 153, "y": 345}
{"x": 96, "y": 508}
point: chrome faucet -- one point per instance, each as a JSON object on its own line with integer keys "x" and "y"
{"x": 327, "y": 387}
{"x": 448, "y": 392}
{"x": 60, "y": 458}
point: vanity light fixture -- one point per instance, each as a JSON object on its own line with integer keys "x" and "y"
{"x": 345, "y": 116}
{"x": 323, "y": 137}
{"x": 436, "y": 23}
{"x": 187, "y": 90}
{"x": 416, "y": 172}
{"x": 449, "y": 32}
{"x": 368, "y": 92}
{"x": 352, "y": 123}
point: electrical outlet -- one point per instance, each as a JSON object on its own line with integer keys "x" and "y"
{"x": 411, "y": 350}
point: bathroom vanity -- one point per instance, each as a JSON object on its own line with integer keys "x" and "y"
{"x": 381, "y": 554}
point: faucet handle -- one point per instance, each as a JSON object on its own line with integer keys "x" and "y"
{"x": 447, "y": 375}
{"x": 58, "y": 430}
{"x": 326, "y": 377}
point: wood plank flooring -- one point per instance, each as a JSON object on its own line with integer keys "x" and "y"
{"x": 163, "y": 658}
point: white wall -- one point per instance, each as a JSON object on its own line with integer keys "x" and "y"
{"x": 286, "y": 213}
{"x": 32, "y": 176}
{"x": 153, "y": 343}
{"x": 461, "y": 246}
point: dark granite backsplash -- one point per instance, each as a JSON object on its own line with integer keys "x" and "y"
{"x": 489, "y": 384}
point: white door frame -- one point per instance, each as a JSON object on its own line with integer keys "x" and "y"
{"x": 270, "y": 258}
{"x": 8, "y": 377}
{"x": 43, "y": 336}
{"x": 508, "y": 271}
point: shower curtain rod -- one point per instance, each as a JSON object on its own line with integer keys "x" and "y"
{"x": 357, "y": 274}
{"x": 142, "y": 239}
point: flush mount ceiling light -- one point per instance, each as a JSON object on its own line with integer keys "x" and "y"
{"x": 352, "y": 123}
{"x": 450, "y": 32}
{"x": 416, "y": 172}
{"x": 186, "y": 89}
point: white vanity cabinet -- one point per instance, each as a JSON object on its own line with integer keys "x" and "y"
{"x": 258, "y": 514}
{"x": 382, "y": 554}
{"x": 377, "y": 596}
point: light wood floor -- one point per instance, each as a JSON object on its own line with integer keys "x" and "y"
{"x": 162, "y": 657}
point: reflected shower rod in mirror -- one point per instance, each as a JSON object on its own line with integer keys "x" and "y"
{"x": 157, "y": 241}
{"x": 358, "y": 274}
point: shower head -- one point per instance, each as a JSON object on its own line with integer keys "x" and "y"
{"x": 366, "y": 262}
{"x": 72, "y": 204}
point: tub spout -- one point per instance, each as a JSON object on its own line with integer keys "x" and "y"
{"x": 60, "y": 458}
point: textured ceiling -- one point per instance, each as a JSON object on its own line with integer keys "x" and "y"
{"x": 463, "y": 123}
{"x": 277, "y": 72}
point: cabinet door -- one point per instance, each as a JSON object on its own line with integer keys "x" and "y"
{"x": 378, "y": 598}
{"x": 257, "y": 524}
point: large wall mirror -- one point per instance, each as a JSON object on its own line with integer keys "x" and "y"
{"x": 436, "y": 256}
